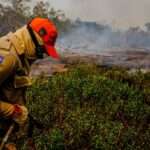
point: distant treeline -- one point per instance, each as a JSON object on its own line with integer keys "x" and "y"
{"x": 19, "y": 12}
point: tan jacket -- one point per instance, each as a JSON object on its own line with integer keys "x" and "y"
{"x": 16, "y": 52}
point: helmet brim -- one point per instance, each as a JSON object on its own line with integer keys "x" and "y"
{"x": 51, "y": 51}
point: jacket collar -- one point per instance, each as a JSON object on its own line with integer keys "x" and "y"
{"x": 23, "y": 43}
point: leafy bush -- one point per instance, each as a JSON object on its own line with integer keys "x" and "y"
{"x": 52, "y": 140}
{"x": 92, "y": 108}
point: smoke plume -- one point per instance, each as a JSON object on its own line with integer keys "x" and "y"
{"x": 93, "y": 37}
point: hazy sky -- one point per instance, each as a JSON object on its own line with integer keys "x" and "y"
{"x": 122, "y": 13}
{"x": 118, "y": 12}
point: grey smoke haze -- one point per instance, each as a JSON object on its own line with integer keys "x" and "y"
{"x": 96, "y": 38}
{"x": 120, "y": 13}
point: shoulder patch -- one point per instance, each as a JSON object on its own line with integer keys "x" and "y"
{"x": 1, "y": 59}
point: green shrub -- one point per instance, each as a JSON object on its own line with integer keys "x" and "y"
{"x": 52, "y": 140}
{"x": 92, "y": 108}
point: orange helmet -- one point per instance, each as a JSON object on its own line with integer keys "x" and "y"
{"x": 48, "y": 32}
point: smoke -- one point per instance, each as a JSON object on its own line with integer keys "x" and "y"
{"x": 91, "y": 37}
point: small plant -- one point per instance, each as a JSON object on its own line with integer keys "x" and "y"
{"x": 53, "y": 140}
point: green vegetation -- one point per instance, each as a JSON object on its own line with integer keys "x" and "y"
{"x": 92, "y": 108}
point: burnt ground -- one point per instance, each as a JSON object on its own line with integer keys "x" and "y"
{"x": 128, "y": 58}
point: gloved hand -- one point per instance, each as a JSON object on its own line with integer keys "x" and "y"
{"x": 20, "y": 114}
{"x": 16, "y": 112}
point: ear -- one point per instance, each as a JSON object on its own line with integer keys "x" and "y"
{"x": 42, "y": 32}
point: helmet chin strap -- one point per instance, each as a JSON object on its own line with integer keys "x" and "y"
{"x": 39, "y": 48}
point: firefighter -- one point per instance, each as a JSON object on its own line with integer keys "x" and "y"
{"x": 18, "y": 51}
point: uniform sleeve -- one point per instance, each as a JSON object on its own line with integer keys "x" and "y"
{"x": 7, "y": 66}
{"x": 6, "y": 109}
